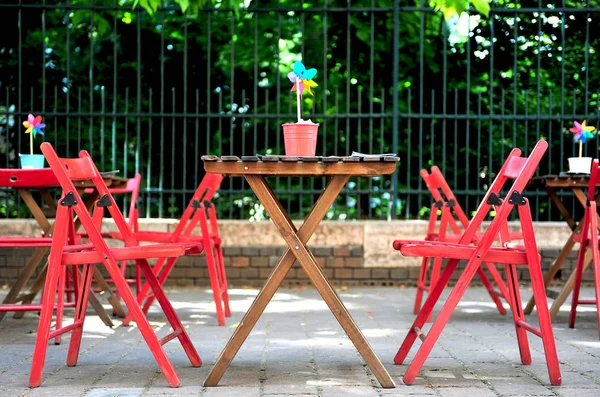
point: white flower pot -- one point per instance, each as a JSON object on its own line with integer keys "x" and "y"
{"x": 580, "y": 165}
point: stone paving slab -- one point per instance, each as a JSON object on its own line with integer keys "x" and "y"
{"x": 298, "y": 349}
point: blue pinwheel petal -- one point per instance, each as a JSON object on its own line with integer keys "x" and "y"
{"x": 577, "y": 137}
{"x": 299, "y": 69}
{"x": 310, "y": 74}
{"x": 40, "y": 125}
{"x": 39, "y": 131}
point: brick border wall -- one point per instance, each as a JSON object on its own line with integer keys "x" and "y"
{"x": 250, "y": 266}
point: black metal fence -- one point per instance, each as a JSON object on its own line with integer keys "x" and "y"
{"x": 151, "y": 94}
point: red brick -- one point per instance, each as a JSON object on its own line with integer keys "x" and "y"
{"x": 321, "y": 262}
{"x": 353, "y": 262}
{"x": 249, "y": 272}
{"x": 196, "y": 272}
{"x": 240, "y": 261}
{"x": 362, "y": 273}
{"x": 335, "y": 262}
{"x": 341, "y": 251}
{"x": 343, "y": 273}
{"x": 380, "y": 274}
{"x": 259, "y": 261}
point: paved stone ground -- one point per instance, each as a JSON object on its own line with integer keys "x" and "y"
{"x": 298, "y": 349}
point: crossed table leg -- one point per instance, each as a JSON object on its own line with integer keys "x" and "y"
{"x": 297, "y": 250}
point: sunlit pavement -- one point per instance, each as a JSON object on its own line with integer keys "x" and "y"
{"x": 298, "y": 349}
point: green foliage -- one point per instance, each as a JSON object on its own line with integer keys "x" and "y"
{"x": 191, "y": 7}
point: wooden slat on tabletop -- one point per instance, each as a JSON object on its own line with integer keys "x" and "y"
{"x": 289, "y": 159}
{"x": 230, "y": 158}
{"x": 332, "y": 159}
{"x": 350, "y": 159}
{"x": 270, "y": 159}
{"x": 209, "y": 158}
{"x": 393, "y": 159}
{"x": 311, "y": 159}
{"x": 250, "y": 158}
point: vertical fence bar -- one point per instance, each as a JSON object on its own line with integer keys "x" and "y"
{"x": 396, "y": 103}
{"x": 138, "y": 119}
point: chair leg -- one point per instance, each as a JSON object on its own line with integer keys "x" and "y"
{"x": 214, "y": 282}
{"x": 172, "y": 317}
{"x": 426, "y": 311}
{"x": 579, "y": 268}
{"x": 539, "y": 293}
{"x": 80, "y": 309}
{"x": 596, "y": 263}
{"x": 517, "y": 310}
{"x": 43, "y": 332}
{"x": 142, "y": 323}
{"x": 60, "y": 306}
{"x": 500, "y": 284}
{"x": 223, "y": 279}
{"x": 490, "y": 289}
{"x": 421, "y": 285}
{"x": 445, "y": 314}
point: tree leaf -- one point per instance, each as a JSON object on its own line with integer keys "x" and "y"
{"x": 483, "y": 6}
{"x": 184, "y": 4}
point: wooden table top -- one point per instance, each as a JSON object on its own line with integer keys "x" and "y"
{"x": 19, "y": 178}
{"x": 566, "y": 181}
{"x": 301, "y": 166}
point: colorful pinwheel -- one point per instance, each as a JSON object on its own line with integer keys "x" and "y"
{"x": 582, "y": 132}
{"x": 303, "y": 78}
{"x": 34, "y": 126}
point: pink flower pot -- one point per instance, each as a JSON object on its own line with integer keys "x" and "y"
{"x": 300, "y": 139}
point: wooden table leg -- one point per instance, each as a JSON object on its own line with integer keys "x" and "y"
{"x": 310, "y": 266}
{"x": 99, "y": 278}
{"x": 272, "y": 284}
{"x": 568, "y": 287}
{"x": 556, "y": 266}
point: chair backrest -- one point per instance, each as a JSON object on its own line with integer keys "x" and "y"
{"x": 441, "y": 192}
{"x": 516, "y": 168}
{"x": 205, "y": 192}
{"x": 594, "y": 180}
{"x": 80, "y": 169}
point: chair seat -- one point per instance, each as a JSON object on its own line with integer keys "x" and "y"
{"x": 438, "y": 249}
{"x": 163, "y": 237}
{"x": 11, "y": 242}
{"x": 85, "y": 253}
{"x": 453, "y": 238}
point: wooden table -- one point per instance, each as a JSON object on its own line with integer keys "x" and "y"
{"x": 576, "y": 184}
{"x": 24, "y": 181}
{"x": 339, "y": 169}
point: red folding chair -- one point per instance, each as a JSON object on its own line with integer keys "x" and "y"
{"x": 445, "y": 202}
{"x": 521, "y": 169}
{"x": 97, "y": 252}
{"x": 199, "y": 212}
{"x": 588, "y": 239}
